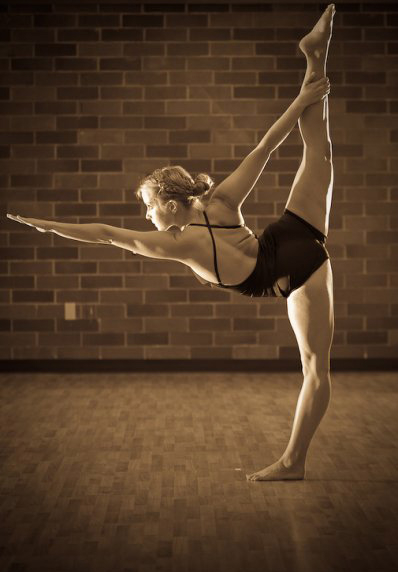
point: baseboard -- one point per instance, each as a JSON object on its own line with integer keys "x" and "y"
{"x": 99, "y": 366}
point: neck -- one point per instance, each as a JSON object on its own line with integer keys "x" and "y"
{"x": 193, "y": 215}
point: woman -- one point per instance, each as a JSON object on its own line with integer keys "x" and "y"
{"x": 202, "y": 226}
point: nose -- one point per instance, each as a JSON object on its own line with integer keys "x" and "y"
{"x": 147, "y": 216}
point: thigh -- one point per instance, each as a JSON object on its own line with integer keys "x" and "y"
{"x": 310, "y": 311}
{"x": 311, "y": 193}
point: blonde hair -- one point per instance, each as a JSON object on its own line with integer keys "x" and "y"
{"x": 175, "y": 183}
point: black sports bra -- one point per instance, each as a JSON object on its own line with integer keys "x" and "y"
{"x": 210, "y": 226}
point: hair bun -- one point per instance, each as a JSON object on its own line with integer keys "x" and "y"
{"x": 202, "y": 185}
{"x": 200, "y": 188}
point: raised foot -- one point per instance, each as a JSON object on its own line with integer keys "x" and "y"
{"x": 278, "y": 472}
{"x": 316, "y": 43}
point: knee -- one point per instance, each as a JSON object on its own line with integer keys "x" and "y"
{"x": 327, "y": 150}
{"x": 316, "y": 368}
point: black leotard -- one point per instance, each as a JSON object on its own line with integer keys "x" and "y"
{"x": 290, "y": 247}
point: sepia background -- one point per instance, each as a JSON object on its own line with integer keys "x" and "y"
{"x": 95, "y": 95}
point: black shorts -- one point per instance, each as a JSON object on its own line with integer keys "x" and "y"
{"x": 289, "y": 247}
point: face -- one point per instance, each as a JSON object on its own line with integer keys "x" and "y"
{"x": 158, "y": 213}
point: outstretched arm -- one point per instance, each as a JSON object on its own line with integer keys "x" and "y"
{"x": 237, "y": 186}
{"x": 91, "y": 232}
{"x": 153, "y": 244}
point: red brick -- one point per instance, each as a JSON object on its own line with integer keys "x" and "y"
{"x": 382, "y": 237}
{"x": 122, "y": 353}
{"x": 59, "y": 339}
{"x": 103, "y": 339}
{"x": 120, "y": 35}
{"x": 160, "y": 296}
{"x": 32, "y": 296}
{"x": 206, "y": 63}
{"x": 56, "y": 79}
{"x": 250, "y": 352}
{"x": 33, "y": 325}
{"x": 186, "y": 21}
{"x": 361, "y": 281}
{"x": 149, "y": 339}
{"x": 366, "y": 106}
{"x": 100, "y": 79}
{"x": 77, "y": 151}
{"x": 77, "y": 93}
{"x": 190, "y": 310}
{"x": 82, "y": 35}
{"x": 382, "y": 265}
{"x": 209, "y": 324}
{"x": 146, "y": 310}
{"x": 276, "y": 48}
{"x": 16, "y": 253}
{"x": 28, "y": 267}
{"x": 190, "y": 339}
{"x": 235, "y": 338}
{"x": 122, "y": 296}
{"x": 207, "y": 353}
{"x": 57, "y": 282}
{"x": 165, "y": 352}
{"x": 129, "y": 64}
{"x": 55, "y": 108}
{"x": 12, "y": 282}
{"x": 120, "y": 325}
{"x": 369, "y": 337}
{"x": 250, "y": 324}
{"x": 13, "y": 339}
{"x": 207, "y": 295}
{"x": 366, "y": 223}
{"x": 366, "y": 251}
{"x": 71, "y": 353}
{"x": 75, "y": 267}
{"x": 5, "y": 325}
{"x": 83, "y": 296}
{"x": 382, "y": 323}
{"x": 147, "y": 282}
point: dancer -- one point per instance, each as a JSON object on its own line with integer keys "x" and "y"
{"x": 201, "y": 225}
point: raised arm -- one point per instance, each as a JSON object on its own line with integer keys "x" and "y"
{"x": 237, "y": 186}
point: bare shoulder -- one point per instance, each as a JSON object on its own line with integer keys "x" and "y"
{"x": 219, "y": 212}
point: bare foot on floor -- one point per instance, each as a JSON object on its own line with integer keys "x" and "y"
{"x": 278, "y": 472}
{"x": 316, "y": 43}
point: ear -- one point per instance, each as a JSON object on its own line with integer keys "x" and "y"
{"x": 172, "y": 206}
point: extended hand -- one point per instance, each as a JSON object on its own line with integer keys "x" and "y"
{"x": 314, "y": 91}
{"x": 40, "y": 225}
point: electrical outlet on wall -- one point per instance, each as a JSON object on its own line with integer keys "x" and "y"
{"x": 70, "y": 311}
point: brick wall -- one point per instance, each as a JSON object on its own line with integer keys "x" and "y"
{"x": 92, "y": 96}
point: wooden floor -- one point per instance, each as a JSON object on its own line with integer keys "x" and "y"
{"x": 146, "y": 472}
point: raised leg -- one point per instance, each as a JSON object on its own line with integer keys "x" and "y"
{"x": 311, "y": 193}
{"x": 310, "y": 307}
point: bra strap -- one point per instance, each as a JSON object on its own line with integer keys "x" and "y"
{"x": 214, "y": 249}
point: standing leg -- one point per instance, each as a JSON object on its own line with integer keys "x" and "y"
{"x": 310, "y": 310}
{"x": 311, "y": 193}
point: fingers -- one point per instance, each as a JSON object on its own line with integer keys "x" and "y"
{"x": 17, "y": 218}
{"x": 21, "y": 220}
{"x": 323, "y": 80}
{"x": 324, "y": 86}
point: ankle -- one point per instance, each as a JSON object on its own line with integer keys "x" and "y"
{"x": 293, "y": 460}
